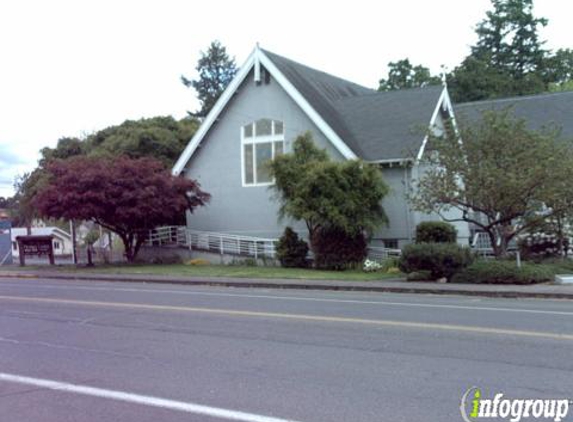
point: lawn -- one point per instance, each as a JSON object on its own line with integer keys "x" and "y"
{"x": 232, "y": 271}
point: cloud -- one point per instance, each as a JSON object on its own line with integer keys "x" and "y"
{"x": 8, "y": 157}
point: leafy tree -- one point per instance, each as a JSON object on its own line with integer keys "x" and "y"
{"x": 26, "y": 186}
{"x": 126, "y": 196}
{"x": 502, "y": 177}
{"x": 346, "y": 195}
{"x": 163, "y": 138}
{"x": 65, "y": 148}
{"x": 558, "y": 70}
{"x": 403, "y": 74}
{"x": 216, "y": 70}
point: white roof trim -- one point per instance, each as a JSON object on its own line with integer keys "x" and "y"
{"x": 213, "y": 114}
{"x": 307, "y": 108}
{"x": 443, "y": 97}
{"x": 258, "y": 56}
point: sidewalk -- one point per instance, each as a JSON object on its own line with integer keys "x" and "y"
{"x": 548, "y": 291}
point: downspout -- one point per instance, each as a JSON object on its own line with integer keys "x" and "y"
{"x": 408, "y": 211}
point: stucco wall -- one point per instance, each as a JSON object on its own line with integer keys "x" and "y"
{"x": 216, "y": 164}
{"x": 399, "y": 226}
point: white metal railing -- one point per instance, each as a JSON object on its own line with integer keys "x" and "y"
{"x": 377, "y": 253}
{"x": 481, "y": 244}
{"x": 223, "y": 243}
{"x": 220, "y": 243}
{"x": 168, "y": 235}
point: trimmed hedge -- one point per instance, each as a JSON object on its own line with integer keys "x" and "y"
{"x": 292, "y": 251}
{"x": 440, "y": 259}
{"x": 436, "y": 232}
{"x": 334, "y": 249}
{"x": 503, "y": 272}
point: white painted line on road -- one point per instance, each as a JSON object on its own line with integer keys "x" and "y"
{"x": 296, "y": 298}
{"x": 180, "y": 406}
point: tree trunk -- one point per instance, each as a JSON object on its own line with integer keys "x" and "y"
{"x": 128, "y": 247}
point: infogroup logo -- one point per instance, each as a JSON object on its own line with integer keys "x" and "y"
{"x": 475, "y": 407}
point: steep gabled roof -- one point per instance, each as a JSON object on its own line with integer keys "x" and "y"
{"x": 538, "y": 110}
{"x": 359, "y": 121}
{"x": 375, "y": 125}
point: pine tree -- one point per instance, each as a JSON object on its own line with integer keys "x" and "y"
{"x": 216, "y": 70}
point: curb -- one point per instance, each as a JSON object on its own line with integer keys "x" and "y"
{"x": 293, "y": 285}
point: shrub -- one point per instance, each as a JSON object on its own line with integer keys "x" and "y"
{"x": 423, "y": 275}
{"x": 538, "y": 246}
{"x": 503, "y": 272}
{"x": 441, "y": 259}
{"x": 436, "y": 232}
{"x": 292, "y": 251}
{"x": 334, "y": 249}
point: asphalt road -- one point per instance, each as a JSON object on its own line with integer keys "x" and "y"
{"x": 95, "y": 351}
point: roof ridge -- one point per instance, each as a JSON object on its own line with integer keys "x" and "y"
{"x": 514, "y": 99}
{"x": 398, "y": 91}
{"x": 321, "y": 72}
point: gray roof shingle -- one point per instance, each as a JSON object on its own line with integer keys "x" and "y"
{"x": 374, "y": 125}
{"x": 539, "y": 111}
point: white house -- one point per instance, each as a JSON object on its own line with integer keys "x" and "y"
{"x": 62, "y": 242}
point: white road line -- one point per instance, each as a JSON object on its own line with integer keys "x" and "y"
{"x": 180, "y": 406}
{"x": 301, "y": 299}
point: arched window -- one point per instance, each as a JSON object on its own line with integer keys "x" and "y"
{"x": 261, "y": 142}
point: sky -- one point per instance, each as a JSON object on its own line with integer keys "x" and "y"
{"x": 70, "y": 68}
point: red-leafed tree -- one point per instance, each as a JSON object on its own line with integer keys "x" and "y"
{"x": 127, "y": 196}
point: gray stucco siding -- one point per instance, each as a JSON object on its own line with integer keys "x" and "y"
{"x": 216, "y": 163}
{"x": 396, "y": 207}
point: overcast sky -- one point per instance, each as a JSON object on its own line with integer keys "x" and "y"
{"x": 68, "y": 68}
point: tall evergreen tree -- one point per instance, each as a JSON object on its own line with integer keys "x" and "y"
{"x": 508, "y": 58}
{"x": 216, "y": 70}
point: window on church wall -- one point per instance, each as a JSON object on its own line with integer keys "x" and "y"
{"x": 261, "y": 142}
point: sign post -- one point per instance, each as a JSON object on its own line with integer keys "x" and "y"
{"x": 35, "y": 246}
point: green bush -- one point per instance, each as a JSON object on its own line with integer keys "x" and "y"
{"x": 539, "y": 246}
{"x": 436, "y": 232}
{"x": 334, "y": 249}
{"x": 440, "y": 259}
{"x": 419, "y": 276}
{"x": 292, "y": 251}
{"x": 503, "y": 272}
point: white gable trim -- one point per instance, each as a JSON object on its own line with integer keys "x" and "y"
{"x": 213, "y": 114}
{"x": 444, "y": 100}
{"x": 256, "y": 57}
{"x": 307, "y": 108}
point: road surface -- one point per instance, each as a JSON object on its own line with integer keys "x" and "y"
{"x": 97, "y": 351}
